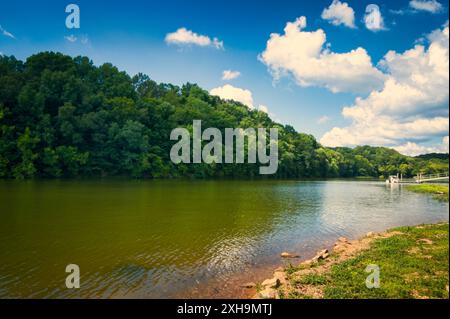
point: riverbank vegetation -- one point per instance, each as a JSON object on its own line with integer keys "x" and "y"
{"x": 439, "y": 192}
{"x": 412, "y": 261}
{"x": 66, "y": 117}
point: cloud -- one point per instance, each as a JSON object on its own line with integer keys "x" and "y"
{"x": 306, "y": 57}
{"x": 426, "y": 5}
{"x": 6, "y": 33}
{"x": 323, "y": 119}
{"x": 71, "y": 38}
{"x": 373, "y": 18}
{"x": 411, "y": 108}
{"x": 183, "y": 37}
{"x": 416, "y": 6}
{"x": 339, "y": 13}
{"x": 230, "y": 75}
{"x": 263, "y": 108}
{"x": 413, "y": 149}
{"x": 229, "y": 92}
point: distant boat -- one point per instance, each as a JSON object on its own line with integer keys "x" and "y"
{"x": 393, "y": 179}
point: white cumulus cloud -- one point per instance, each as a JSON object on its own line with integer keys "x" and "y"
{"x": 432, "y": 6}
{"x": 263, "y": 108}
{"x": 306, "y": 57}
{"x": 411, "y": 108}
{"x": 183, "y": 37}
{"x": 373, "y": 19}
{"x": 229, "y": 92}
{"x": 230, "y": 75}
{"x": 414, "y": 149}
{"x": 339, "y": 13}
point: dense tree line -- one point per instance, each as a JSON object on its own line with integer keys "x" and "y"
{"x": 65, "y": 117}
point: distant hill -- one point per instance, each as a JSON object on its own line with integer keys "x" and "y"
{"x": 440, "y": 156}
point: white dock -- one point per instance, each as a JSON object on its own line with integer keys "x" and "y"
{"x": 421, "y": 178}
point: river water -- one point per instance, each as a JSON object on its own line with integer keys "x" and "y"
{"x": 167, "y": 239}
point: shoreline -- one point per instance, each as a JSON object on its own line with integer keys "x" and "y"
{"x": 308, "y": 278}
{"x": 437, "y": 191}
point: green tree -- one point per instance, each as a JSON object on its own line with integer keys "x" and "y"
{"x": 64, "y": 117}
{"x": 26, "y": 144}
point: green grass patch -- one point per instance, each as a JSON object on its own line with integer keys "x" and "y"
{"x": 412, "y": 264}
{"x": 440, "y": 192}
{"x": 297, "y": 295}
{"x": 290, "y": 269}
{"x": 313, "y": 279}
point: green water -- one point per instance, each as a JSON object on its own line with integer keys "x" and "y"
{"x": 152, "y": 239}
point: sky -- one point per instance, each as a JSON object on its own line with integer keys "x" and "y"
{"x": 350, "y": 72}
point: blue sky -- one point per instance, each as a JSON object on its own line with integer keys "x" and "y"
{"x": 132, "y": 35}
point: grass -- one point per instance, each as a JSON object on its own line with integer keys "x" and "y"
{"x": 313, "y": 279}
{"x": 440, "y": 192}
{"x": 413, "y": 264}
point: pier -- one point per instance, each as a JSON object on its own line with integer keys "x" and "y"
{"x": 418, "y": 179}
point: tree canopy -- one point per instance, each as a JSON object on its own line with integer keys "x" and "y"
{"x": 65, "y": 117}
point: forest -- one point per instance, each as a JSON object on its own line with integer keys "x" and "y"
{"x": 63, "y": 117}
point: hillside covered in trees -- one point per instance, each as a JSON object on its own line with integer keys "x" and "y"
{"x": 66, "y": 117}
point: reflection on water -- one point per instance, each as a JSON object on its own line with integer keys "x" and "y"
{"x": 155, "y": 239}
